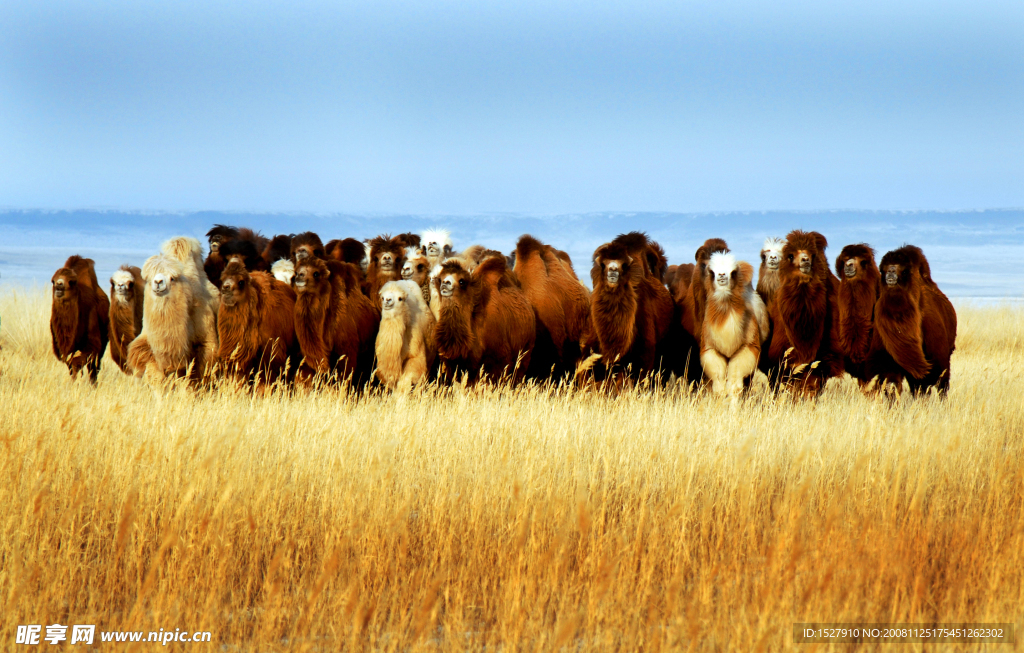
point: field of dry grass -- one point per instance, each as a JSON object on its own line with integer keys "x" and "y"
{"x": 526, "y": 519}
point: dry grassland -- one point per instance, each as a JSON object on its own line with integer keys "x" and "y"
{"x": 523, "y": 519}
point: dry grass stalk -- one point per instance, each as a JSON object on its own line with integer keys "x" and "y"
{"x": 513, "y": 519}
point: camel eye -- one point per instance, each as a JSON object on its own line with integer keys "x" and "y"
{"x": 401, "y": 299}
{"x": 316, "y": 275}
{"x": 790, "y": 258}
{"x": 462, "y": 283}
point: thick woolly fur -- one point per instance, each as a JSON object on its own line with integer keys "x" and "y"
{"x": 697, "y": 290}
{"x": 243, "y": 251}
{"x": 561, "y": 305}
{"x": 335, "y": 323}
{"x": 678, "y": 278}
{"x": 768, "y": 275}
{"x": 436, "y": 245}
{"x": 190, "y": 253}
{"x": 256, "y": 238}
{"x": 409, "y": 241}
{"x": 683, "y": 350}
{"x": 283, "y": 270}
{"x": 305, "y": 245}
{"x": 804, "y": 351}
{"x": 915, "y": 326}
{"x": 387, "y": 256}
{"x": 630, "y": 309}
{"x": 475, "y": 254}
{"x": 679, "y": 281}
{"x": 255, "y": 325}
{"x": 434, "y": 296}
{"x": 364, "y": 263}
{"x": 279, "y": 248}
{"x": 79, "y": 316}
{"x": 348, "y": 250}
{"x": 735, "y": 324}
{"x": 127, "y": 298}
{"x": 216, "y": 237}
{"x": 179, "y": 323}
{"x": 417, "y": 270}
{"x": 231, "y": 241}
{"x": 172, "y": 336}
{"x": 465, "y": 260}
{"x": 405, "y": 342}
{"x": 206, "y": 295}
{"x": 689, "y": 299}
{"x": 486, "y": 324}
{"x": 859, "y": 285}
{"x": 219, "y": 235}
{"x": 657, "y": 262}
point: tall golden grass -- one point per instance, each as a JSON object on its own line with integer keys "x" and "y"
{"x": 507, "y": 518}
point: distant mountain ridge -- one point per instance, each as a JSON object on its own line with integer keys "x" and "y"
{"x": 36, "y": 242}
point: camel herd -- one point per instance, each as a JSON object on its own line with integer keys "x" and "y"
{"x": 400, "y": 311}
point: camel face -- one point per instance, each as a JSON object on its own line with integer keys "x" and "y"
{"x": 64, "y": 283}
{"x": 123, "y": 285}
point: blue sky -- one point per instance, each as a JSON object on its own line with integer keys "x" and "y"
{"x": 527, "y": 107}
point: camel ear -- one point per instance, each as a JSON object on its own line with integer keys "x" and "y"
{"x": 746, "y": 274}
{"x": 629, "y": 259}
{"x": 820, "y": 240}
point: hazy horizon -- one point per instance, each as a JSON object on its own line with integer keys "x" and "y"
{"x": 37, "y": 242}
